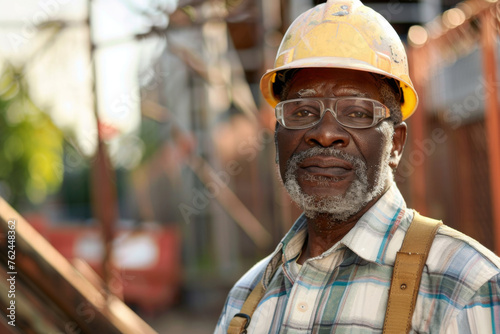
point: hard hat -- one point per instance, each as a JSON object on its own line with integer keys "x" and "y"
{"x": 342, "y": 34}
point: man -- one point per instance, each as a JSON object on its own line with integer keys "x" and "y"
{"x": 341, "y": 91}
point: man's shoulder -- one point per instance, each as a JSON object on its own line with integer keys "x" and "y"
{"x": 460, "y": 283}
{"x": 461, "y": 258}
{"x": 240, "y": 292}
{"x": 467, "y": 245}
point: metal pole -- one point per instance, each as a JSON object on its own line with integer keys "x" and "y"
{"x": 103, "y": 190}
{"x": 492, "y": 117}
{"x": 417, "y": 129}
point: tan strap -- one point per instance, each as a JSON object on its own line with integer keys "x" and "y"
{"x": 241, "y": 320}
{"x": 410, "y": 261}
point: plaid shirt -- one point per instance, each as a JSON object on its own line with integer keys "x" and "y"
{"x": 345, "y": 290}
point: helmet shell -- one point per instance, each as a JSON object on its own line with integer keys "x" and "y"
{"x": 343, "y": 34}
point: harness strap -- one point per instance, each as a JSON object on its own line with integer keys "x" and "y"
{"x": 241, "y": 320}
{"x": 410, "y": 261}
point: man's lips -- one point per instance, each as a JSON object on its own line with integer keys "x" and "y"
{"x": 326, "y": 166}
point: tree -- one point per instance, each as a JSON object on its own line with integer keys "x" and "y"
{"x": 31, "y": 146}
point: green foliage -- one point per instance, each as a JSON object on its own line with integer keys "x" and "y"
{"x": 151, "y": 136}
{"x": 31, "y": 146}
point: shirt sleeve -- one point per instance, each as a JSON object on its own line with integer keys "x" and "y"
{"x": 482, "y": 313}
{"x": 221, "y": 327}
{"x": 239, "y": 294}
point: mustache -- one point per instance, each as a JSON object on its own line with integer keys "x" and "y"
{"x": 297, "y": 158}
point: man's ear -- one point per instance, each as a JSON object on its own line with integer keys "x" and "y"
{"x": 398, "y": 144}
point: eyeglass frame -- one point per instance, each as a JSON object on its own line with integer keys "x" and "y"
{"x": 377, "y": 117}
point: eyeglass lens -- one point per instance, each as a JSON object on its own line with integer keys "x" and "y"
{"x": 351, "y": 112}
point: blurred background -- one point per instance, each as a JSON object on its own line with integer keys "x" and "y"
{"x": 134, "y": 138}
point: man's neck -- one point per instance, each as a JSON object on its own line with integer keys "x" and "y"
{"x": 323, "y": 232}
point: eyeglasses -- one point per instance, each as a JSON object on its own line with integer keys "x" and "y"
{"x": 350, "y": 112}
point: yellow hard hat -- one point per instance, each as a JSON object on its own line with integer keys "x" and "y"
{"x": 342, "y": 34}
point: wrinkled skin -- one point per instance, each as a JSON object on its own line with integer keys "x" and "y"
{"x": 365, "y": 144}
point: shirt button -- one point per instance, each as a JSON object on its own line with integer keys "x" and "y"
{"x": 302, "y": 307}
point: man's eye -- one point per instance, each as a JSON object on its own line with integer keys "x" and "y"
{"x": 303, "y": 113}
{"x": 360, "y": 114}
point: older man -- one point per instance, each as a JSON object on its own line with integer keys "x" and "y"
{"x": 341, "y": 92}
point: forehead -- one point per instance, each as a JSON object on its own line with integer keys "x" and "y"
{"x": 321, "y": 82}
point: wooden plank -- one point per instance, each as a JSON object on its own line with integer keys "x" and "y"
{"x": 38, "y": 263}
{"x": 492, "y": 117}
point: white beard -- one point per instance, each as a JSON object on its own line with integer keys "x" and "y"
{"x": 341, "y": 207}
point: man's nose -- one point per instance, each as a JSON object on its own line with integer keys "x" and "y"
{"x": 328, "y": 132}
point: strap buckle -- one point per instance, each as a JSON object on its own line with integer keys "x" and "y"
{"x": 247, "y": 317}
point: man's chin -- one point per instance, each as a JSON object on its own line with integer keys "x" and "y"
{"x": 338, "y": 215}
{"x": 325, "y": 187}
{"x": 322, "y": 193}
{"x": 335, "y": 207}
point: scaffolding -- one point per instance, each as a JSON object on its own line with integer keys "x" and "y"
{"x": 461, "y": 108}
